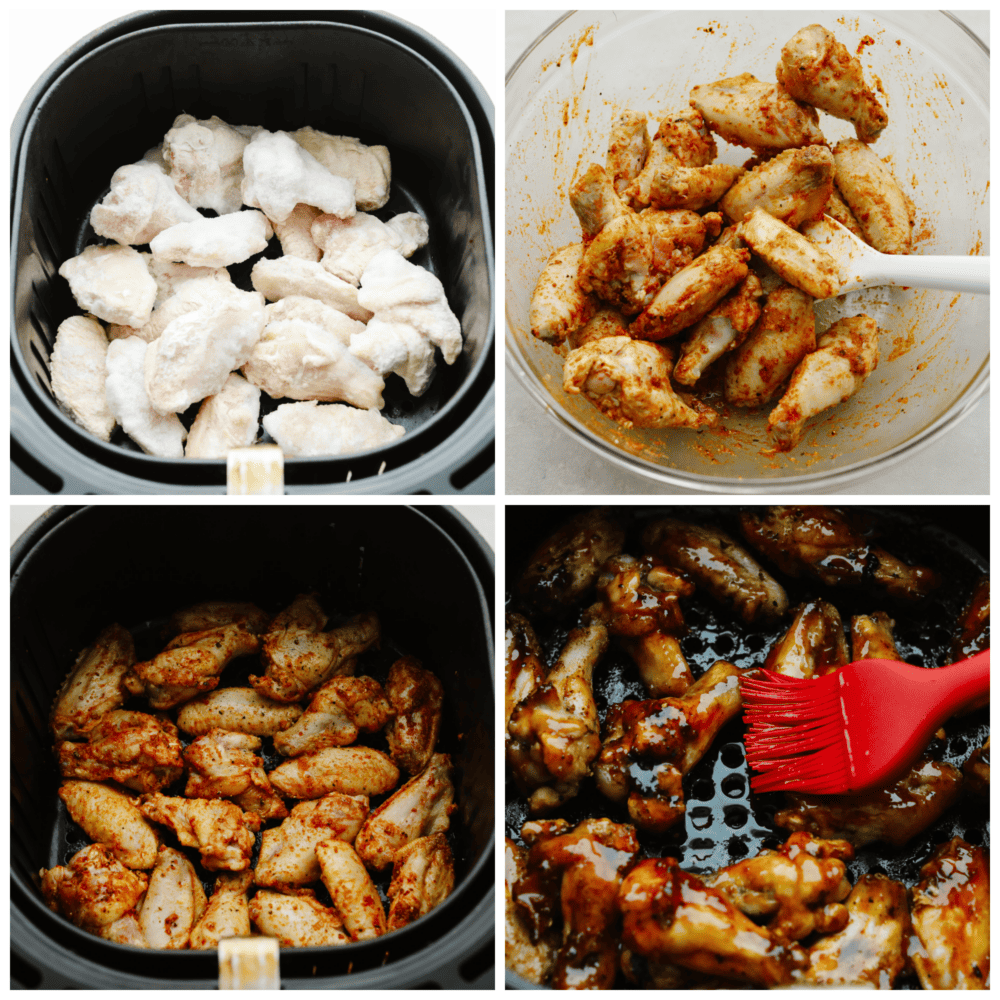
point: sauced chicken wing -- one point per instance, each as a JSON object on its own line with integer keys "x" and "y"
{"x": 748, "y": 112}
{"x": 845, "y": 356}
{"x": 822, "y": 543}
{"x": 555, "y": 731}
{"x": 629, "y": 382}
{"x": 213, "y": 614}
{"x": 950, "y": 909}
{"x": 593, "y": 198}
{"x": 227, "y": 914}
{"x": 894, "y": 813}
{"x": 523, "y": 667}
{"x": 578, "y": 873}
{"x": 341, "y": 709}
{"x": 300, "y": 656}
{"x": 190, "y": 663}
{"x": 297, "y": 921}
{"x": 137, "y": 750}
{"x": 719, "y": 565}
{"x": 799, "y": 887}
{"x": 794, "y": 186}
{"x": 354, "y": 896}
{"x": 113, "y": 819}
{"x": 94, "y": 890}
{"x": 784, "y": 335}
{"x": 669, "y": 915}
{"x": 871, "y": 949}
{"x": 288, "y": 852}
{"x": 628, "y": 146}
{"x": 221, "y": 831}
{"x": 532, "y": 959}
{"x": 650, "y": 745}
{"x": 558, "y": 304}
{"x": 813, "y": 645}
{"x": 423, "y": 875}
{"x": 974, "y": 622}
{"x": 94, "y": 686}
{"x": 884, "y": 213}
{"x": 223, "y": 765}
{"x": 421, "y": 807}
{"x": 871, "y": 637}
{"x": 415, "y": 695}
{"x": 239, "y": 709}
{"x": 817, "y": 69}
{"x": 977, "y": 770}
{"x": 564, "y": 567}
{"x": 349, "y": 770}
{"x": 174, "y": 902}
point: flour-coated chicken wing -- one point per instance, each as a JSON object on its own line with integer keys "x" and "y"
{"x": 423, "y": 876}
{"x": 297, "y": 921}
{"x": 111, "y": 818}
{"x": 350, "y": 770}
{"x": 350, "y": 886}
{"x": 239, "y": 709}
{"x": 415, "y": 695}
{"x": 174, "y": 902}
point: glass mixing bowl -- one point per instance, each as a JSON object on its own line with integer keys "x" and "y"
{"x": 933, "y": 77}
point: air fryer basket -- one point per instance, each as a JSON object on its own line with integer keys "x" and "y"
{"x": 723, "y": 822}
{"x": 115, "y": 100}
{"x": 431, "y": 580}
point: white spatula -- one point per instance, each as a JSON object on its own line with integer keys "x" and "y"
{"x": 861, "y": 266}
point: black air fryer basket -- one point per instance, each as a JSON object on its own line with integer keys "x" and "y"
{"x": 116, "y": 93}
{"x": 427, "y": 574}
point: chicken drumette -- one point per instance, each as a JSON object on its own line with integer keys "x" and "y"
{"x": 813, "y": 645}
{"x": 227, "y": 914}
{"x": 415, "y": 696}
{"x": 423, "y": 876}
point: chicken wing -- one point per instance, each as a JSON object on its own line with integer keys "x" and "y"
{"x": 524, "y": 670}
{"x": 349, "y": 770}
{"x": 974, "y": 622}
{"x": 748, "y": 112}
{"x": 821, "y": 543}
{"x": 628, "y": 146}
{"x": 894, "y": 813}
{"x": 94, "y": 890}
{"x": 223, "y": 765}
{"x": 125, "y": 930}
{"x": 950, "y": 909}
{"x": 845, "y": 356}
{"x": 421, "y": 807}
{"x": 629, "y": 382}
{"x": 884, "y": 213}
{"x": 354, "y": 896}
{"x": 113, "y": 819}
{"x": 871, "y": 949}
{"x": 238, "y": 709}
{"x": 617, "y": 264}
{"x": 190, "y": 663}
{"x": 423, "y": 875}
{"x": 227, "y": 915}
{"x": 594, "y": 200}
{"x": 221, "y": 831}
{"x": 341, "y": 709}
{"x": 579, "y": 872}
{"x": 719, "y": 565}
{"x": 871, "y": 637}
{"x": 214, "y": 614}
{"x": 137, "y": 750}
{"x": 558, "y": 304}
{"x": 604, "y": 323}
{"x": 531, "y": 959}
{"x": 299, "y": 655}
{"x": 814, "y": 644}
{"x": 416, "y": 695}
{"x": 784, "y": 335}
{"x": 555, "y": 731}
{"x": 94, "y": 686}
{"x": 977, "y": 770}
{"x": 288, "y": 852}
{"x": 174, "y": 902}
{"x": 681, "y": 141}
{"x": 297, "y": 921}
{"x": 78, "y": 374}
{"x": 817, "y": 69}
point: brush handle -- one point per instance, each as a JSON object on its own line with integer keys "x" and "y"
{"x": 956, "y": 274}
{"x": 960, "y": 683}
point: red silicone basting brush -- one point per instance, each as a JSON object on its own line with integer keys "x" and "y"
{"x": 856, "y": 728}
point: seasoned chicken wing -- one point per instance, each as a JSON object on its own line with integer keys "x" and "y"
{"x": 617, "y": 264}
{"x": 214, "y": 614}
{"x": 884, "y": 213}
{"x": 681, "y": 141}
{"x": 223, "y": 765}
{"x": 125, "y": 930}
{"x": 628, "y": 146}
{"x": 227, "y": 914}
{"x": 814, "y": 644}
{"x": 300, "y": 656}
{"x": 421, "y": 807}
{"x": 94, "y": 686}
{"x": 629, "y": 382}
{"x": 748, "y": 112}
{"x": 341, "y": 709}
{"x": 350, "y": 770}
{"x": 113, "y": 819}
{"x": 594, "y": 200}
{"x": 174, "y": 902}
{"x": 415, "y": 695}
{"x": 423, "y": 875}
{"x": 719, "y": 565}
{"x": 894, "y": 813}
{"x": 239, "y": 709}
{"x": 288, "y": 852}
{"x": 558, "y": 304}
{"x": 297, "y": 921}
{"x": 524, "y": 670}
{"x": 817, "y": 69}
{"x": 94, "y": 890}
{"x": 221, "y": 831}
{"x": 950, "y": 909}
{"x": 605, "y": 323}
{"x": 350, "y": 886}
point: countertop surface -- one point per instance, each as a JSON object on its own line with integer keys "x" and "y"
{"x": 541, "y": 458}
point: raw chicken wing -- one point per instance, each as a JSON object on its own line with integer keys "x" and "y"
{"x": 617, "y": 264}
{"x": 354, "y": 896}
{"x": 174, "y": 902}
{"x": 423, "y": 876}
{"x": 368, "y": 166}
{"x": 239, "y": 709}
{"x": 113, "y": 283}
{"x": 297, "y": 921}
{"x": 227, "y": 915}
{"x": 78, "y": 373}
{"x": 415, "y": 695}
{"x": 884, "y": 213}
{"x": 295, "y": 233}
{"x": 628, "y": 146}
{"x": 335, "y": 322}
{"x": 558, "y": 304}
{"x": 682, "y": 141}
{"x": 219, "y": 242}
{"x": 351, "y": 770}
{"x": 111, "y": 818}
{"x": 307, "y": 429}
{"x": 283, "y": 276}
{"x": 349, "y": 245}
{"x": 229, "y": 419}
{"x": 594, "y": 200}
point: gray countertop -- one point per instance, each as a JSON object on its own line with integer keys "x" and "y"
{"x": 542, "y": 459}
